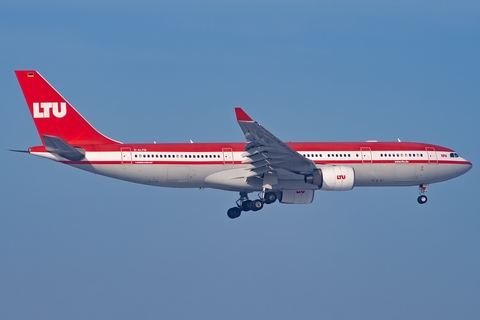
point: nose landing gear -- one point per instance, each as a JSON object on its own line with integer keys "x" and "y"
{"x": 244, "y": 204}
{"x": 422, "y": 198}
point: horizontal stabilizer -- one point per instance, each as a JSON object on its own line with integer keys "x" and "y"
{"x": 58, "y": 146}
{"x": 23, "y": 151}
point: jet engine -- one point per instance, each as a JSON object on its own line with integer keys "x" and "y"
{"x": 297, "y": 196}
{"x": 332, "y": 178}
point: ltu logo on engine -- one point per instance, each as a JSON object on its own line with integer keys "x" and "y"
{"x": 42, "y": 109}
{"x": 341, "y": 177}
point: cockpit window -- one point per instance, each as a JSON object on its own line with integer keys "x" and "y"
{"x": 454, "y": 155}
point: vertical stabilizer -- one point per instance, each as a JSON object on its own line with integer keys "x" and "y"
{"x": 53, "y": 115}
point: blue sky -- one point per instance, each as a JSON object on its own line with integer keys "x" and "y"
{"x": 75, "y": 245}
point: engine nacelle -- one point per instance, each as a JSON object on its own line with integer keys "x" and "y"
{"x": 337, "y": 178}
{"x": 297, "y": 196}
{"x": 315, "y": 178}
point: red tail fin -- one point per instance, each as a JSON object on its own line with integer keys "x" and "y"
{"x": 53, "y": 115}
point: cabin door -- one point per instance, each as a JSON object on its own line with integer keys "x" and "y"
{"x": 126, "y": 154}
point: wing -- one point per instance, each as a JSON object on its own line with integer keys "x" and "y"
{"x": 269, "y": 157}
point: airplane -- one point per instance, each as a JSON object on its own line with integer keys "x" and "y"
{"x": 287, "y": 172}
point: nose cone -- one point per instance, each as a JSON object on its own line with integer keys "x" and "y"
{"x": 469, "y": 165}
{"x": 466, "y": 167}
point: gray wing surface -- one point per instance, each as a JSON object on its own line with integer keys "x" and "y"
{"x": 269, "y": 157}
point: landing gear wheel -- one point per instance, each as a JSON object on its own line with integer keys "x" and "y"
{"x": 256, "y": 205}
{"x": 234, "y": 213}
{"x": 246, "y": 205}
{"x": 270, "y": 197}
{"x": 422, "y": 199}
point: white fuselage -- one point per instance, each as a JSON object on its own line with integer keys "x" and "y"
{"x": 224, "y": 169}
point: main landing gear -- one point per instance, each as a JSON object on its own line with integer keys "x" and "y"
{"x": 244, "y": 204}
{"x": 422, "y": 198}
